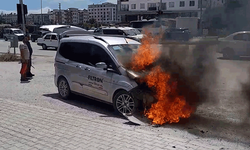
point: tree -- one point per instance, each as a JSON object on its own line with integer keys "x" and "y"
{"x": 92, "y": 21}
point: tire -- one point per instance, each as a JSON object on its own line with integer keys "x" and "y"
{"x": 63, "y": 88}
{"x": 228, "y": 53}
{"x": 44, "y": 47}
{"x": 5, "y": 38}
{"x": 124, "y": 103}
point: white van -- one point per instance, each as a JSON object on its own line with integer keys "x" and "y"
{"x": 93, "y": 66}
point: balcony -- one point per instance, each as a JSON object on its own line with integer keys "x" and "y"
{"x": 152, "y": 8}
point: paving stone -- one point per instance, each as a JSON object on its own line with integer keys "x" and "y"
{"x": 56, "y": 130}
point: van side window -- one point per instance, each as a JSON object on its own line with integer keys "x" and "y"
{"x": 47, "y": 37}
{"x": 53, "y": 37}
{"x": 75, "y": 51}
{"x": 98, "y": 54}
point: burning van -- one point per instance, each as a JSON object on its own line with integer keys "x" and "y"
{"x": 94, "y": 66}
{"x": 122, "y": 72}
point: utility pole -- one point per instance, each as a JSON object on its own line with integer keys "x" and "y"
{"x": 160, "y": 5}
{"x": 23, "y": 24}
{"x": 41, "y": 12}
{"x": 201, "y": 30}
{"x": 59, "y": 14}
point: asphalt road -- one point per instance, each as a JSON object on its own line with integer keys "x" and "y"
{"x": 222, "y": 120}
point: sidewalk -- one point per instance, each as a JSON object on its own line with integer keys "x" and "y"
{"x": 24, "y": 126}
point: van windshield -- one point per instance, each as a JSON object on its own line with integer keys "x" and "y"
{"x": 18, "y": 31}
{"x": 124, "y": 52}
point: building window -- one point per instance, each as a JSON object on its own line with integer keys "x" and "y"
{"x": 133, "y": 6}
{"x": 182, "y": 3}
{"x": 171, "y": 4}
{"x": 191, "y": 3}
{"x": 151, "y": 6}
{"x": 164, "y": 6}
{"x": 142, "y": 6}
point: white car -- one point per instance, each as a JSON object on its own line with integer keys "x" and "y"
{"x": 10, "y": 32}
{"x": 126, "y": 31}
{"x": 48, "y": 40}
{"x": 236, "y": 44}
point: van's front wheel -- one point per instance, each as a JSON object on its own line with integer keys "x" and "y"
{"x": 124, "y": 103}
{"x": 63, "y": 88}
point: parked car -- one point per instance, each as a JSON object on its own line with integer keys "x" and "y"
{"x": 38, "y": 34}
{"x": 126, "y": 31}
{"x": 92, "y": 29}
{"x": 10, "y": 32}
{"x": 236, "y": 44}
{"x": 48, "y": 40}
{"x": 177, "y": 34}
{"x": 93, "y": 66}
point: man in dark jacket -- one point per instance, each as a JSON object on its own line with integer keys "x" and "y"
{"x": 29, "y": 74}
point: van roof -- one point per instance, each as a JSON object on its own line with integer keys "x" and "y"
{"x": 121, "y": 28}
{"x": 109, "y": 40}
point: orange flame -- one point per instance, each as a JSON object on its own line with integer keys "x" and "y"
{"x": 145, "y": 55}
{"x": 170, "y": 106}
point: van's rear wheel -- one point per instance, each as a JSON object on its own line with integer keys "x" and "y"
{"x": 124, "y": 103}
{"x": 63, "y": 88}
{"x": 5, "y": 38}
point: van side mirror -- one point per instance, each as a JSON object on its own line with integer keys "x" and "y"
{"x": 101, "y": 65}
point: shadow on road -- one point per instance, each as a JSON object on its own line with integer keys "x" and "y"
{"x": 214, "y": 128}
{"x": 237, "y": 58}
{"x": 87, "y": 104}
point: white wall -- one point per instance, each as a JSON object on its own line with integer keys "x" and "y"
{"x": 176, "y": 6}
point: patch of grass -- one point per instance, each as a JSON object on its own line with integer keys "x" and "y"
{"x": 9, "y": 57}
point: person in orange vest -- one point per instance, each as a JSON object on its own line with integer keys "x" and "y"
{"x": 25, "y": 55}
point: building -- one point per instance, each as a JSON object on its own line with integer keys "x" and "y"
{"x": 145, "y": 9}
{"x": 103, "y": 13}
{"x": 83, "y": 16}
{"x": 72, "y": 16}
{"x": 10, "y": 18}
{"x": 215, "y": 3}
{"x": 38, "y": 19}
{"x": 58, "y": 16}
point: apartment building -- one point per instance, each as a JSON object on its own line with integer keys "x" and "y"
{"x": 138, "y": 9}
{"x": 103, "y": 13}
{"x": 72, "y": 16}
{"x": 57, "y": 16}
{"x": 83, "y": 16}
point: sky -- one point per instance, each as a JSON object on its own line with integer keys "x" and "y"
{"x": 34, "y": 6}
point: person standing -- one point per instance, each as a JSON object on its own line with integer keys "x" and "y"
{"x": 29, "y": 74}
{"x": 24, "y": 51}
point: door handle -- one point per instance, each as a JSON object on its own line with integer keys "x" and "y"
{"x": 87, "y": 69}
